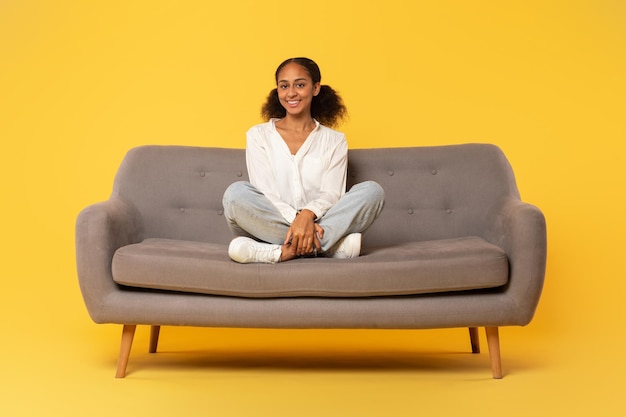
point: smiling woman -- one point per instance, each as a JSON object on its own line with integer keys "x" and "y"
{"x": 326, "y": 106}
{"x": 296, "y": 202}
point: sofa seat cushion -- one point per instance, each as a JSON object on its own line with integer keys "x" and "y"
{"x": 467, "y": 263}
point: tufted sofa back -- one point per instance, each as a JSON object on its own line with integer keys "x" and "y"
{"x": 434, "y": 192}
{"x": 430, "y": 192}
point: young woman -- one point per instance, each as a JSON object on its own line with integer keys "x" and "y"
{"x": 295, "y": 203}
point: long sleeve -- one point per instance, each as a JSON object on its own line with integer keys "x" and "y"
{"x": 332, "y": 183}
{"x": 260, "y": 160}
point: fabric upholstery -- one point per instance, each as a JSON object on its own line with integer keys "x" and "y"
{"x": 432, "y": 194}
{"x": 410, "y": 268}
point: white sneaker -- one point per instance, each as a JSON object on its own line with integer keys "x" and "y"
{"x": 348, "y": 247}
{"x": 245, "y": 250}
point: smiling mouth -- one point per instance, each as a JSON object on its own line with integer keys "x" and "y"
{"x": 293, "y": 102}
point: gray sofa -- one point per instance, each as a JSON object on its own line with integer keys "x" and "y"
{"x": 454, "y": 247}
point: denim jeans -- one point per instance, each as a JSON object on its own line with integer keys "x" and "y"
{"x": 249, "y": 213}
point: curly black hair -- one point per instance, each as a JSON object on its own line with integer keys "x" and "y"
{"x": 327, "y": 107}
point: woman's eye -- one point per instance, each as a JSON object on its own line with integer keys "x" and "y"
{"x": 286, "y": 86}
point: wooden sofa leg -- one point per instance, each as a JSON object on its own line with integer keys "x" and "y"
{"x": 474, "y": 339}
{"x": 128, "y": 334}
{"x": 493, "y": 341}
{"x": 154, "y": 338}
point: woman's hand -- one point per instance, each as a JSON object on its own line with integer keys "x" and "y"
{"x": 303, "y": 236}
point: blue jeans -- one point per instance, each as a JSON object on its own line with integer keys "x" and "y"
{"x": 249, "y": 213}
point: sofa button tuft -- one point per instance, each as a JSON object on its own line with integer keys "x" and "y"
{"x": 182, "y": 209}
{"x": 448, "y": 211}
{"x": 410, "y": 211}
{"x": 202, "y": 173}
{"x": 390, "y": 172}
{"x": 220, "y": 212}
{"x": 434, "y": 172}
{"x": 239, "y": 173}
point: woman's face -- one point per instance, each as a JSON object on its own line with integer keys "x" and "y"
{"x": 296, "y": 89}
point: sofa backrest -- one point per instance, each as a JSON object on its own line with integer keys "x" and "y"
{"x": 435, "y": 192}
{"x": 430, "y": 192}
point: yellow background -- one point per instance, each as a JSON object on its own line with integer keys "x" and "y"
{"x": 81, "y": 82}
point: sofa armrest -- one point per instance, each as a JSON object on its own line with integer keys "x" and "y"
{"x": 520, "y": 230}
{"x": 101, "y": 229}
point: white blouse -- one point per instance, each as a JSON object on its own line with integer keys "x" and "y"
{"x": 314, "y": 178}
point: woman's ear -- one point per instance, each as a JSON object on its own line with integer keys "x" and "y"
{"x": 318, "y": 87}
